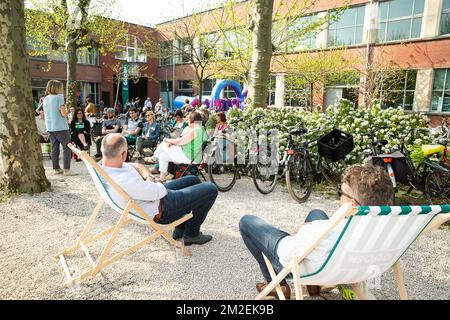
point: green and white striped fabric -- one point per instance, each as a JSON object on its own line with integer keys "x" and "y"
{"x": 402, "y": 210}
{"x": 371, "y": 242}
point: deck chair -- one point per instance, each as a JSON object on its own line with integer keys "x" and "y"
{"x": 132, "y": 212}
{"x": 372, "y": 241}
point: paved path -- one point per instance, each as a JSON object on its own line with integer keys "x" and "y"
{"x": 33, "y": 228}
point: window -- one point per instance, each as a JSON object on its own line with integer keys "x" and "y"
{"x": 297, "y": 94}
{"x": 88, "y": 89}
{"x": 89, "y": 56}
{"x": 397, "y": 89}
{"x": 166, "y": 53}
{"x": 301, "y": 34}
{"x": 445, "y": 19}
{"x": 183, "y": 51}
{"x": 165, "y": 86}
{"x": 271, "y": 90}
{"x": 348, "y": 29}
{"x": 440, "y": 99}
{"x": 132, "y": 51}
{"x": 185, "y": 87}
{"x": 209, "y": 44}
{"x": 400, "y": 20}
{"x": 208, "y": 86}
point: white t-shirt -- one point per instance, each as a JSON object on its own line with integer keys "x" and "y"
{"x": 148, "y": 103}
{"x": 145, "y": 193}
{"x": 296, "y": 244}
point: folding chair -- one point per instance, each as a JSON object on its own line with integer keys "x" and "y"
{"x": 131, "y": 212}
{"x": 372, "y": 241}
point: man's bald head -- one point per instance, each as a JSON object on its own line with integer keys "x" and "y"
{"x": 113, "y": 145}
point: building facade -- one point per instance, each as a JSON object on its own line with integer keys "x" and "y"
{"x": 414, "y": 35}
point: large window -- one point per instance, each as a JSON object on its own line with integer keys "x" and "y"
{"x": 185, "y": 87}
{"x": 132, "y": 51}
{"x": 208, "y": 86}
{"x": 88, "y": 89}
{"x": 396, "y": 88}
{"x": 440, "y": 101}
{"x": 400, "y": 20}
{"x": 348, "y": 29}
{"x": 166, "y": 53}
{"x": 89, "y": 56}
{"x": 183, "y": 51}
{"x": 302, "y": 35}
{"x": 445, "y": 19}
{"x": 209, "y": 45}
{"x": 297, "y": 94}
{"x": 271, "y": 90}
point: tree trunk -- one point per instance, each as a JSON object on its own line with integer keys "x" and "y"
{"x": 72, "y": 84}
{"x": 261, "y": 52}
{"x": 21, "y": 168}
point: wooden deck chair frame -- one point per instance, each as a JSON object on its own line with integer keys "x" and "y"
{"x": 345, "y": 211}
{"x": 125, "y": 218}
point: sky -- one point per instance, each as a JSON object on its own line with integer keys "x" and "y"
{"x": 151, "y": 12}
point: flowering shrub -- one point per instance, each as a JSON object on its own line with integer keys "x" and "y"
{"x": 387, "y": 124}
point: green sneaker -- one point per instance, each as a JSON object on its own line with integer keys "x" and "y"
{"x": 346, "y": 292}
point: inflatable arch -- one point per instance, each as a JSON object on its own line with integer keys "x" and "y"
{"x": 220, "y": 86}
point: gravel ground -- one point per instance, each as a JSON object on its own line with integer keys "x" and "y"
{"x": 33, "y": 228}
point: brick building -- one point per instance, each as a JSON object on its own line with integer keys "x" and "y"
{"x": 415, "y": 34}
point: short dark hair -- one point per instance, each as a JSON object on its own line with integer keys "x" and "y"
{"x": 179, "y": 113}
{"x": 186, "y": 101}
{"x": 371, "y": 185}
{"x": 133, "y": 109}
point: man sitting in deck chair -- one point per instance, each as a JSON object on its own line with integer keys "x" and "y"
{"x": 361, "y": 185}
{"x": 164, "y": 202}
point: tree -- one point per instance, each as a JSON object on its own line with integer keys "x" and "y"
{"x": 21, "y": 168}
{"x": 73, "y": 26}
{"x": 321, "y": 66}
{"x": 261, "y": 52}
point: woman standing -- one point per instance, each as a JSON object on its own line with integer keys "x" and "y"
{"x": 56, "y": 122}
{"x": 80, "y": 128}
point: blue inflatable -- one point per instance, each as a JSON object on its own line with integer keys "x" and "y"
{"x": 219, "y": 87}
{"x": 178, "y": 103}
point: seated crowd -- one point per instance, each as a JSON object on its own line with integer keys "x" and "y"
{"x": 167, "y": 201}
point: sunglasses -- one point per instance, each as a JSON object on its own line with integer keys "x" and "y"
{"x": 342, "y": 193}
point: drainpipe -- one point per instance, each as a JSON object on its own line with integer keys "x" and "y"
{"x": 368, "y": 48}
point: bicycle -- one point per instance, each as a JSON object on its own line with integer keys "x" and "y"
{"x": 431, "y": 176}
{"x": 301, "y": 174}
{"x": 225, "y": 163}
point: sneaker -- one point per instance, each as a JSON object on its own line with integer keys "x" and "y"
{"x": 68, "y": 173}
{"x": 199, "y": 239}
{"x": 58, "y": 171}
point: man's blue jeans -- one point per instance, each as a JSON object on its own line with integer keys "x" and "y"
{"x": 262, "y": 238}
{"x": 185, "y": 195}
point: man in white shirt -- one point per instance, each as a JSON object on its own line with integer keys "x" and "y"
{"x": 165, "y": 203}
{"x": 361, "y": 185}
{"x": 148, "y": 104}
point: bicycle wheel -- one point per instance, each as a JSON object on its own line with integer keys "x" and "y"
{"x": 437, "y": 185}
{"x": 299, "y": 178}
{"x": 264, "y": 177}
{"x": 223, "y": 175}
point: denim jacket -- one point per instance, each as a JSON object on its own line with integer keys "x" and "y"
{"x": 151, "y": 131}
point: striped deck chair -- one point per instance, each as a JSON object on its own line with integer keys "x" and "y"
{"x": 372, "y": 241}
{"x": 131, "y": 212}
